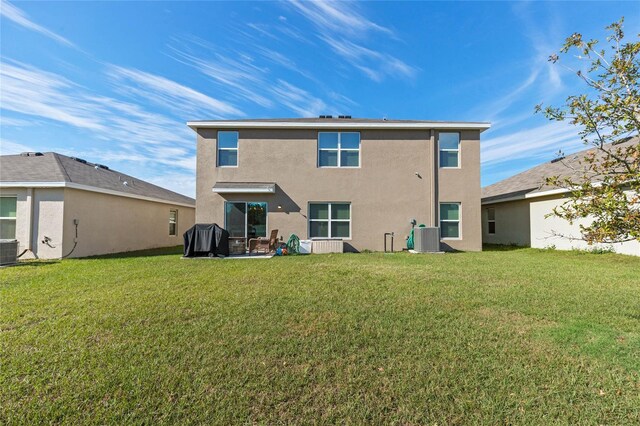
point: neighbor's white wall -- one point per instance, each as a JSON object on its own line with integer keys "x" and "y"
{"x": 545, "y": 231}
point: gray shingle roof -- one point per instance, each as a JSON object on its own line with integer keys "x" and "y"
{"x": 533, "y": 180}
{"x": 54, "y": 167}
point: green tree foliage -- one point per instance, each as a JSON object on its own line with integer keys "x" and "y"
{"x": 606, "y": 185}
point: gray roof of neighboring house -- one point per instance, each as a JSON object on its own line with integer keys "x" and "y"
{"x": 54, "y": 167}
{"x": 533, "y": 180}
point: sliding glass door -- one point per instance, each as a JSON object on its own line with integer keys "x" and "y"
{"x": 248, "y": 220}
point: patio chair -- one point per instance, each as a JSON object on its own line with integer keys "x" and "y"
{"x": 264, "y": 244}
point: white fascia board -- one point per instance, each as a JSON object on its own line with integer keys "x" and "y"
{"x": 33, "y": 184}
{"x": 333, "y": 125}
{"x": 527, "y": 196}
{"x": 73, "y": 185}
{"x": 556, "y": 191}
{"x": 244, "y": 190}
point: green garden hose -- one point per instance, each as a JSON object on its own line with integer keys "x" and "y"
{"x": 293, "y": 245}
{"x": 410, "y": 239}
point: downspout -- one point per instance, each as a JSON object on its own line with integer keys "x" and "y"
{"x": 434, "y": 180}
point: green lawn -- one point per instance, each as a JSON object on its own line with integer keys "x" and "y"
{"x": 499, "y": 337}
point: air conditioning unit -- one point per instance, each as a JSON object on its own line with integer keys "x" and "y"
{"x": 8, "y": 252}
{"x": 426, "y": 240}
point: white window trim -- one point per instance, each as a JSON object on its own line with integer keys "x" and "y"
{"x": 8, "y": 217}
{"x": 489, "y": 220}
{"x": 176, "y": 222}
{"x": 458, "y": 150}
{"x": 236, "y": 149}
{"x": 246, "y": 217}
{"x": 328, "y": 220}
{"x": 339, "y": 150}
{"x": 459, "y": 221}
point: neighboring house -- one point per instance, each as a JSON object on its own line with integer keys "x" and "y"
{"x": 341, "y": 178}
{"x": 57, "y": 206}
{"x": 515, "y": 210}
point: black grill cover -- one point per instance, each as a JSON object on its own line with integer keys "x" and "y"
{"x": 204, "y": 239}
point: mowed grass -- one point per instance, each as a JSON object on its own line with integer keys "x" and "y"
{"x": 499, "y": 337}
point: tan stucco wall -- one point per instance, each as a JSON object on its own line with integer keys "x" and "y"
{"x": 108, "y": 223}
{"x": 45, "y": 206}
{"x": 385, "y": 193}
{"x": 463, "y": 185}
{"x": 112, "y": 224}
{"x": 512, "y": 223}
{"x": 556, "y": 232}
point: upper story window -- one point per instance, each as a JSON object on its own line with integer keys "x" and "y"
{"x": 227, "y": 149}
{"x": 8, "y": 208}
{"x": 449, "y": 150}
{"x": 338, "y": 149}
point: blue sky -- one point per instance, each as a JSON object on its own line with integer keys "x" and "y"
{"x": 115, "y": 82}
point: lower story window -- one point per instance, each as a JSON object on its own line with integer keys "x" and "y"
{"x": 330, "y": 220}
{"x": 450, "y": 220}
{"x": 245, "y": 219}
{"x": 491, "y": 220}
{"x": 173, "y": 222}
{"x": 8, "y": 217}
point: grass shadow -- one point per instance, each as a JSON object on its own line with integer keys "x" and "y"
{"x": 32, "y": 263}
{"x": 501, "y": 247}
{"x": 162, "y": 251}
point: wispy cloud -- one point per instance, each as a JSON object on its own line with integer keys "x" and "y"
{"x": 238, "y": 77}
{"x": 126, "y": 130}
{"x": 376, "y": 65}
{"x": 345, "y": 30}
{"x": 241, "y": 77}
{"x": 339, "y": 17}
{"x": 521, "y": 140}
{"x": 8, "y": 147}
{"x": 545, "y": 39}
{"x": 184, "y": 101}
{"x": 297, "y": 99}
{"x": 12, "y": 13}
{"x": 15, "y": 122}
{"x": 537, "y": 142}
{"x": 31, "y": 91}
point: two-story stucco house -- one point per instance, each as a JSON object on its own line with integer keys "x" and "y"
{"x": 341, "y": 178}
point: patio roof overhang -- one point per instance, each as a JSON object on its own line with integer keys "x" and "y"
{"x": 244, "y": 188}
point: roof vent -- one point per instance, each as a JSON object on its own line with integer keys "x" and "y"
{"x": 79, "y": 160}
